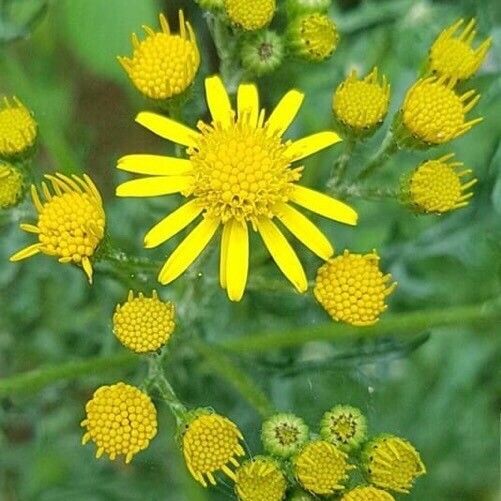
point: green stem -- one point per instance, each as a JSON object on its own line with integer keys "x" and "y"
{"x": 29, "y": 382}
{"x": 365, "y": 192}
{"x": 397, "y": 324}
{"x": 339, "y": 167}
{"x": 224, "y": 366}
{"x": 387, "y": 150}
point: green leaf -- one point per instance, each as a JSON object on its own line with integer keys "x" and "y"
{"x": 97, "y": 32}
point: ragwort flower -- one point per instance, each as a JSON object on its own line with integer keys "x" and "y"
{"x": 436, "y": 186}
{"x": 250, "y": 16}
{"x": 452, "y": 54}
{"x": 260, "y": 479}
{"x": 121, "y": 420}
{"x": 144, "y": 324}
{"x": 164, "y": 64}
{"x": 238, "y": 173}
{"x": 70, "y": 224}
{"x": 11, "y": 186}
{"x": 367, "y": 493}
{"x": 211, "y": 443}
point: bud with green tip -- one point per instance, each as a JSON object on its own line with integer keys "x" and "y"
{"x": 262, "y": 53}
{"x": 344, "y": 426}
{"x": 284, "y": 434}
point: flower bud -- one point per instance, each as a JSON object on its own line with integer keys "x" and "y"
{"x": 262, "y": 53}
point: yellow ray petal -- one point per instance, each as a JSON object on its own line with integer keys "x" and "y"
{"x": 305, "y": 231}
{"x": 172, "y": 224}
{"x": 26, "y": 252}
{"x": 155, "y": 165}
{"x": 237, "y": 259}
{"x": 218, "y": 101}
{"x": 248, "y": 102}
{"x": 153, "y": 186}
{"x": 309, "y": 145}
{"x": 223, "y": 253}
{"x": 167, "y": 128}
{"x": 87, "y": 267}
{"x": 324, "y": 205}
{"x": 188, "y": 250}
{"x": 282, "y": 253}
{"x": 285, "y": 112}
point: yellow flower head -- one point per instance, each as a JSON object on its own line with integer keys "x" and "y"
{"x": 361, "y": 104}
{"x": 344, "y": 426}
{"x": 18, "y": 129}
{"x": 353, "y": 289}
{"x": 314, "y": 36}
{"x": 144, "y": 324}
{"x": 367, "y": 493}
{"x": 70, "y": 221}
{"x": 238, "y": 173}
{"x": 121, "y": 420}
{"x": 436, "y": 186}
{"x": 452, "y": 54}
{"x": 11, "y": 186}
{"x": 392, "y": 463}
{"x": 163, "y": 65}
{"x": 321, "y": 467}
{"x": 260, "y": 479}
{"x": 211, "y": 443}
{"x": 433, "y": 113}
{"x": 250, "y": 16}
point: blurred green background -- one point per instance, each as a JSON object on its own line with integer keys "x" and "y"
{"x": 440, "y": 389}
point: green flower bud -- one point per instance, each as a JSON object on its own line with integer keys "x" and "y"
{"x": 307, "y": 6}
{"x": 344, "y": 426}
{"x": 284, "y": 434}
{"x": 12, "y": 186}
{"x": 262, "y": 53}
{"x": 211, "y": 4}
{"x": 313, "y": 36}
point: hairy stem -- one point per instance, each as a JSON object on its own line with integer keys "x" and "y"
{"x": 387, "y": 150}
{"x": 339, "y": 167}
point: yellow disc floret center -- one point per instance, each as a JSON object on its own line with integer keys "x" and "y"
{"x": 241, "y": 172}
{"x": 18, "y": 130}
{"x": 367, "y": 494}
{"x": 433, "y": 113}
{"x": 454, "y": 57}
{"x": 260, "y": 480}
{"x": 71, "y": 225}
{"x": 11, "y": 186}
{"x": 250, "y": 15}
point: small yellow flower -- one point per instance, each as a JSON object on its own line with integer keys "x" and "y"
{"x": 353, "y": 289}
{"x": 392, "y": 463}
{"x": 452, "y": 54}
{"x": 70, "y": 221}
{"x": 144, "y": 324}
{"x": 18, "y": 129}
{"x": 11, "y": 186}
{"x": 433, "y": 113}
{"x": 344, "y": 426}
{"x": 121, "y": 420}
{"x": 260, "y": 479}
{"x": 211, "y": 443}
{"x": 367, "y": 493}
{"x": 238, "y": 173}
{"x": 321, "y": 468}
{"x": 436, "y": 186}
{"x": 164, "y": 64}
{"x": 362, "y": 104}
{"x": 250, "y": 16}
{"x": 314, "y": 36}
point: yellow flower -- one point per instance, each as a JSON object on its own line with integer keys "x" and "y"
{"x": 352, "y": 288}
{"x": 433, "y": 113}
{"x": 11, "y": 186}
{"x": 210, "y": 443}
{"x": 361, "y": 104}
{"x": 144, "y": 324}
{"x": 314, "y": 36}
{"x": 321, "y": 467}
{"x": 18, "y": 129}
{"x": 260, "y": 479}
{"x": 70, "y": 221}
{"x": 436, "y": 186}
{"x": 250, "y": 16}
{"x": 392, "y": 463}
{"x": 344, "y": 426}
{"x": 452, "y": 54}
{"x": 163, "y": 65}
{"x": 367, "y": 493}
{"x": 238, "y": 172}
{"x": 121, "y": 420}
